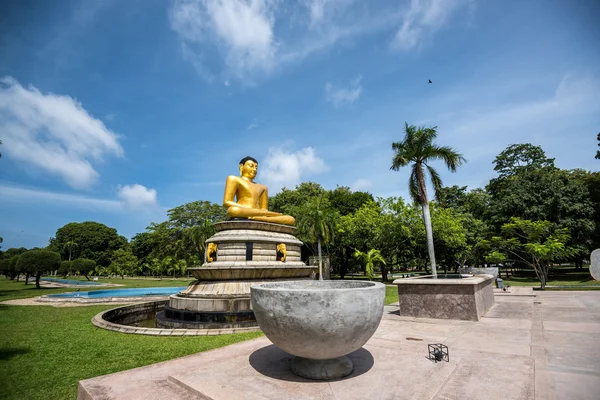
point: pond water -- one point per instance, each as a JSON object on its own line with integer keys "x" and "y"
{"x": 137, "y": 292}
{"x": 70, "y": 281}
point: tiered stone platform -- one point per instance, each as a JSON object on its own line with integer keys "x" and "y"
{"x": 247, "y": 253}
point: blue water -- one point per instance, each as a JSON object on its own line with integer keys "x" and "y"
{"x": 137, "y": 292}
{"x": 69, "y": 281}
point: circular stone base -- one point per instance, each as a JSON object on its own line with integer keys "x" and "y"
{"x": 324, "y": 370}
{"x": 204, "y": 320}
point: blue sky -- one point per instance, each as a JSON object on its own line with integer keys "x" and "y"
{"x": 115, "y": 111}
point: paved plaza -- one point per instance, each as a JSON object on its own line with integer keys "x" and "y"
{"x": 530, "y": 345}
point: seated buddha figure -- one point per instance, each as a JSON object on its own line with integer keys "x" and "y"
{"x": 246, "y": 199}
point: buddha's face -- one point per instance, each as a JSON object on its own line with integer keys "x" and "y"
{"x": 249, "y": 169}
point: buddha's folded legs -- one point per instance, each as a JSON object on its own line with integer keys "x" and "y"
{"x": 281, "y": 219}
{"x": 260, "y": 215}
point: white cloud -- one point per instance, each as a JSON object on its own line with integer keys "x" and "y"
{"x": 54, "y": 133}
{"x": 361, "y": 184}
{"x": 240, "y": 38}
{"x": 137, "y": 196}
{"x": 21, "y": 195}
{"x": 423, "y": 18}
{"x": 130, "y": 197}
{"x": 340, "y": 96}
{"x": 283, "y": 168}
{"x": 317, "y": 10}
{"x": 242, "y": 29}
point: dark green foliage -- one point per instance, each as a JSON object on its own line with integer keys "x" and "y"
{"x": 598, "y": 151}
{"x": 66, "y": 267}
{"x": 182, "y": 236}
{"x": 453, "y": 196}
{"x": 518, "y": 158}
{"x": 195, "y": 213}
{"x": 8, "y": 261}
{"x": 93, "y": 240}
{"x": 346, "y": 201}
{"x": 6, "y": 269}
{"x": 36, "y": 262}
{"x": 142, "y": 245}
{"x": 316, "y": 223}
{"x": 84, "y": 266}
{"x": 536, "y": 244}
{"x": 9, "y": 253}
{"x": 591, "y": 181}
{"x": 548, "y": 194}
{"x": 288, "y": 200}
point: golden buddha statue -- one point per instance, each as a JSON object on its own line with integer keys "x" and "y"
{"x": 246, "y": 199}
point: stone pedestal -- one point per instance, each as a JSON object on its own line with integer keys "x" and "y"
{"x": 465, "y": 299}
{"x": 242, "y": 253}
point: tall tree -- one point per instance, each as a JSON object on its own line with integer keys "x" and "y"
{"x": 195, "y": 213}
{"x": 521, "y": 157}
{"x": 84, "y": 266}
{"x": 95, "y": 241}
{"x": 36, "y": 262}
{"x": 533, "y": 243}
{"x": 316, "y": 222}
{"x": 418, "y": 149}
{"x": 532, "y": 188}
{"x": 142, "y": 245}
{"x": 345, "y": 201}
{"x": 288, "y": 201}
{"x": 598, "y": 151}
{"x": 123, "y": 262}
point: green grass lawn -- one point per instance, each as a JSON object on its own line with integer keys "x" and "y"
{"x": 391, "y": 294}
{"x": 559, "y": 276}
{"x": 45, "y": 351}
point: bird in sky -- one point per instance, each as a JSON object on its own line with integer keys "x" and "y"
{"x": 430, "y": 81}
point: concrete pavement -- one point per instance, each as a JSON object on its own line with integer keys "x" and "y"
{"x": 530, "y": 345}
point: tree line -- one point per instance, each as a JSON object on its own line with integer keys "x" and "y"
{"x": 531, "y": 214}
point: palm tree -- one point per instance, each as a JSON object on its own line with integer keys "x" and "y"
{"x": 369, "y": 258}
{"x": 316, "y": 222}
{"x": 197, "y": 235}
{"x": 70, "y": 245}
{"x": 418, "y": 149}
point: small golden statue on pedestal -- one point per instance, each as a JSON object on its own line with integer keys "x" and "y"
{"x": 246, "y": 199}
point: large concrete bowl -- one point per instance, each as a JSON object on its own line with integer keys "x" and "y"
{"x": 318, "y": 319}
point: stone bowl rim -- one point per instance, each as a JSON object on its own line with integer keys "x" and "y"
{"x": 265, "y": 286}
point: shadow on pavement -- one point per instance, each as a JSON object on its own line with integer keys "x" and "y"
{"x": 273, "y": 362}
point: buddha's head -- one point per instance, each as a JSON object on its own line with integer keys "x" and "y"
{"x": 248, "y": 167}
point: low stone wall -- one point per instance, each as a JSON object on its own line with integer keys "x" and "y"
{"x": 464, "y": 299}
{"x": 115, "y": 318}
{"x": 130, "y": 314}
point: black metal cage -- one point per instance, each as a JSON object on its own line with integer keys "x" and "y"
{"x": 438, "y": 352}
